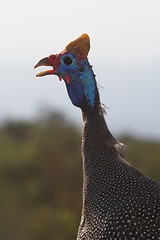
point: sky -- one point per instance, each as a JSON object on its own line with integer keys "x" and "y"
{"x": 125, "y": 54}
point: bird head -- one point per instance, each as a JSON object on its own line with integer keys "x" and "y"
{"x": 73, "y": 67}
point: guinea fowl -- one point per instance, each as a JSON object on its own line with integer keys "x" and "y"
{"x": 119, "y": 202}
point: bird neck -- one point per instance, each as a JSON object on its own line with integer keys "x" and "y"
{"x": 95, "y": 131}
{"x": 96, "y": 138}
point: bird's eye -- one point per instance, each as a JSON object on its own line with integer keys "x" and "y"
{"x": 67, "y": 60}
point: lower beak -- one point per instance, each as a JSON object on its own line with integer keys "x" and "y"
{"x": 45, "y": 62}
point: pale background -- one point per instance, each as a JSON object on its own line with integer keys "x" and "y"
{"x": 125, "y": 54}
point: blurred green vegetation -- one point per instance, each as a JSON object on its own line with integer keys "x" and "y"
{"x": 41, "y": 177}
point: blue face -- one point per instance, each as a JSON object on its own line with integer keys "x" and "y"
{"x": 79, "y": 79}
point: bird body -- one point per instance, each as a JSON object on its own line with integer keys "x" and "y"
{"x": 119, "y": 202}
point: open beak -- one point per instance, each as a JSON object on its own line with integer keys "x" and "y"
{"x": 45, "y": 62}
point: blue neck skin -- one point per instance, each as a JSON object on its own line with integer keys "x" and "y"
{"x": 82, "y": 87}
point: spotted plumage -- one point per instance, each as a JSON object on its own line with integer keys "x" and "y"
{"x": 119, "y": 202}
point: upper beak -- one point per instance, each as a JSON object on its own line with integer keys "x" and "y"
{"x": 45, "y": 62}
